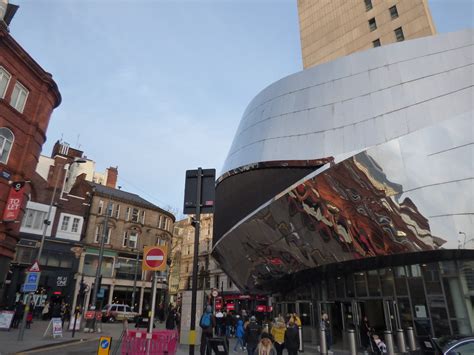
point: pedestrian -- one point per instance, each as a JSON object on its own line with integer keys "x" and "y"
{"x": 29, "y": 318}
{"x": 18, "y": 316}
{"x": 161, "y": 313}
{"x": 45, "y": 311}
{"x": 171, "y": 320}
{"x": 56, "y": 313}
{"x": 219, "y": 322}
{"x": 365, "y": 333}
{"x": 239, "y": 333}
{"x": 207, "y": 324}
{"x": 252, "y": 335}
{"x": 228, "y": 324}
{"x": 292, "y": 338}
{"x": 278, "y": 333}
{"x": 381, "y": 347}
{"x": 265, "y": 345}
{"x": 326, "y": 326}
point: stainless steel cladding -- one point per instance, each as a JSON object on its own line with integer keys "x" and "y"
{"x": 392, "y": 131}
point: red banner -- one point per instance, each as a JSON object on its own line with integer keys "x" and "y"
{"x": 14, "y": 202}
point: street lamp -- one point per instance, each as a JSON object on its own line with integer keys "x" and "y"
{"x": 46, "y": 222}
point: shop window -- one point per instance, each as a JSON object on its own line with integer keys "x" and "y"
{"x": 25, "y": 255}
{"x": 432, "y": 280}
{"x": 404, "y": 310}
{"x": 6, "y": 143}
{"x": 91, "y": 263}
{"x": 4, "y": 81}
{"x": 401, "y": 287}
{"x": 360, "y": 284}
{"x": 387, "y": 282}
{"x": 373, "y": 283}
{"x": 66, "y": 263}
{"x": 19, "y": 96}
{"x": 439, "y": 316}
{"x": 53, "y": 260}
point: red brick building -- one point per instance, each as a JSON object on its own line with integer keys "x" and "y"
{"x": 28, "y": 95}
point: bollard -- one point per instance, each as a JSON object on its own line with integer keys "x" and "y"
{"x": 352, "y": 342}
{"x": 300, "y": 333}
{"x": 389, "y": 342}
{"x": 401, "y": 341}
{"x": 411, "y": 339}
{"x": 323, "y": 349}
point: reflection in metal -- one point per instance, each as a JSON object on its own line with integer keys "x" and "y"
{"x": 408, "y": 188}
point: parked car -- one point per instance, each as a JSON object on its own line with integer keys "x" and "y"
{"x": 457, "y": 345}
{"x": 118, "y": 312}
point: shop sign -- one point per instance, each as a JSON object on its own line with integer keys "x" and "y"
{"x": 261, "y": 308}
{"x": 89, "y": 315}
{"x": 57, "y": 327}
{"x": 14, "y": 202}
{"x": 61, "y": 281}
{"x": 230, "y": 306}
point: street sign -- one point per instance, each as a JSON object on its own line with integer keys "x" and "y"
{"x": 154, "y": 258}
{"x": 35, "y": 267}
{"x": 31, "y": 282}
{"x": 215, "y": 293}
{"x": 104, "y": 345}
{"x": 208, "y": 188}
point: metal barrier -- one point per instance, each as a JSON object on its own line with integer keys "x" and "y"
{"x": 389, "y": 342}
{"x": 402, "y": 348}
{"x": 352, "y": 342}
{"x": 323, "y": 349}
{"x": 160, "y": 342}
{"x": 411, "y": 339}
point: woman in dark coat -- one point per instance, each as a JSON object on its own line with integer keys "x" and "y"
{"x": 292, "y": 338}
{"x": 171, "y": 320}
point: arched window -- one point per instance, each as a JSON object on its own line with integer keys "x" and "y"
{"x": 6, "y": 143}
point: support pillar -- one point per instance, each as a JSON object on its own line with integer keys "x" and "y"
{"x": 111, "y": 294}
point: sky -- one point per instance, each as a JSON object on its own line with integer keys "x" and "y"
{"x": 158, "y": 87}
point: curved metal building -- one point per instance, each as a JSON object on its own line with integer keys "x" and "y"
{"x": 362, "y": 166}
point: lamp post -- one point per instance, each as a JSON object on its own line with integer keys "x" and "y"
{"x": 46, "y": 223}
{"x": 135, "y": 279}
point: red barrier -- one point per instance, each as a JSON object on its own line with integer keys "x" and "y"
{"x": 139, "y": 342}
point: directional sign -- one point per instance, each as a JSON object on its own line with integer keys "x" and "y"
{"x": 31, "y": 281}
{"x": 154, "y": 258}
{"x": 104, "y": 345}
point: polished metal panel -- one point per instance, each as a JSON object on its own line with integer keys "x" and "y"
{"x": 357, "y": 101}
{"x": 413, "y": 193}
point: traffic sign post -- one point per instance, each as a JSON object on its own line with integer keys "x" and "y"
{"x": 30, "y": 286}
{"x": 154, "y": 258}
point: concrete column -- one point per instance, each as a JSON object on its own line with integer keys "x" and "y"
{"x": 140, "y": 305}
{"x": 111, "y": 294}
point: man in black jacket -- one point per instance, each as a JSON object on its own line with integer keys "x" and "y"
{"x": 252, "y": 334}
{"x": 292, "y": 338}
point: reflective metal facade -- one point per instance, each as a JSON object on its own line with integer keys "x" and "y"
{"x": 394, "y": 129}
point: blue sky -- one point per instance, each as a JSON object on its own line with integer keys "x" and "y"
{"x": 158, "y": 87}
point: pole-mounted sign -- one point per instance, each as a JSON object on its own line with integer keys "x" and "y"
{"x": 14, "y": 202}
{"x": 154, "y": 258}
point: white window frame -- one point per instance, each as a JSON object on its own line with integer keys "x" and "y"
{"x": 117, "y": 211}
{"x": 4, "y": 72}
{"x": 137, "y": 219}
{"x": 99, "y": 232}
{"x": 127, "y": 240}
{"x": 127, "y": 214}
{"x": 143, "y": 217}
{"x": 3, "y": 140}
{"x": 22, "y": 89}
{"x": 76, "y": 222}
{"x": 101, "y": 207}
{"x": 65, "y": 226}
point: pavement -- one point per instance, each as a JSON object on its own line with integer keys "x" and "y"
{"x": 87, "y": 343}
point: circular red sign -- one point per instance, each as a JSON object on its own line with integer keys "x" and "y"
{"x": 154, "y": 258}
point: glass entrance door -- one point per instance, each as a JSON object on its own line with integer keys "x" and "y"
{"x": 305, "y": 312}
{"x": 391, "y": 314}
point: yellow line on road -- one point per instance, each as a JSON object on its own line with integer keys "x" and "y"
{"x": 57, "y": 346}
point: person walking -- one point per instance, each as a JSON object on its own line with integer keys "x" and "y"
{"x": 365, "y": 333}
{"x": 326, "y": 326}
{"x": 292, "y": 338}
{"x": 45, "y": 311}
{"x": 207, "y": 324}
{"x": 228, "y": 324}
{"x": 19, "y": 312}
{"x": 278, "y": 333}
{"x": 265, "y": 345}
{"x": 219, "y": 323}
{"x": 171, "y": 320}
{"x": 239, "y": 333}
{"x": 252, "y": 335}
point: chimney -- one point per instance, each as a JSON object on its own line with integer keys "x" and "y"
{"x": 112, "y": 174}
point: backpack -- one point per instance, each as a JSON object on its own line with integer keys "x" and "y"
{"x": 205, "y": 321}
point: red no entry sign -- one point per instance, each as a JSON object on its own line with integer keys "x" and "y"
{"x": 154, "y": 258}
